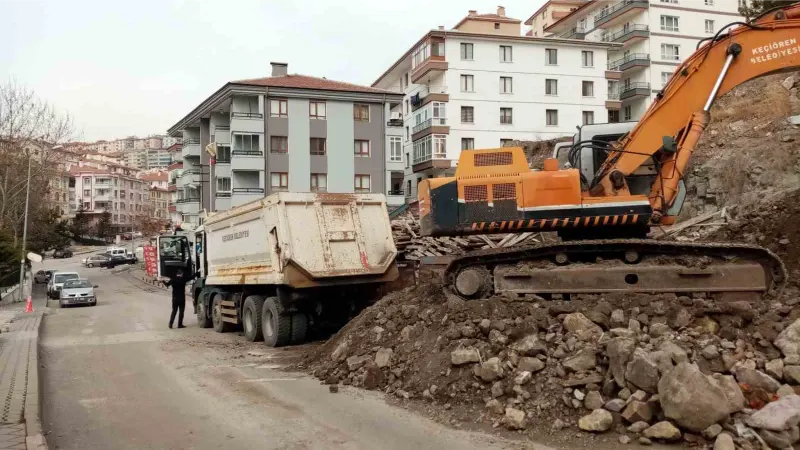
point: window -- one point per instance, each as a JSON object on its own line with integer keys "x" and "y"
{"x": 587, "y": 88}
{"x": 709, "y": 2}
{"x": 279, "y": 181}
{"x": 587, "y": 58}
{"x": 406, "y": 79}
{"x": 665, "y": 78}
{"x": 223, "y": 184}
{"x": 318, "y": 146}
{"x": 467, "y": 83}
{"x": 496, "y": 26}
{"x": 466, "y": 51}
{"x": 223, "y": 154}
{"x": 278, "y": 144}
{"x": 87, "y": 192}
{"x": 316, "y": 110}
{"x": 278, "y": 108}
{"x": 669, "y": 23}
{"x": 361, "y": 113}
{"x": 87, "y": 180}
{"x": 613, "y": 116}
{"x": 551, "y": 56}
{"x": 361, "y": 183}
{"x": 505, "y": 53}
{"x": 395, "y": 149}
{"x": 430, "y": 147}
{"x": 628, "y": 113}
{"x": 551, "y": 87}
{"x": 506, "y": 142}
{"x": 467, "y": 114}
{"x": 244, "y": 143}
{"x": 505, "y": 116}
{"x": 408, "y": 160}
{"x": 552, "y": 117}
{"x": 670, "y": 52}
{"x": 588, "y": 117}
{"x": 361, "y": 148}
{"x": 467, "y": 143}
{"x": 505, "y": 85}
{"x": 709, "y": 26}
{"x": 319, "y": 182}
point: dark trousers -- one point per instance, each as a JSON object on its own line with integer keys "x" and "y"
{"x": 178, "y": 306}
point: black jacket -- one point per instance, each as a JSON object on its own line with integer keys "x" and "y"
{"x": 178, "y": 285}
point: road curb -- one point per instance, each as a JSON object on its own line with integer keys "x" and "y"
{"x": 34, "y": 439}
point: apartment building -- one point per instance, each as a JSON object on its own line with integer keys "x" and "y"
{"x": 485, "y": 87}
{"x": 169, "y": 141}
{"x": 159, "y": 204}
{"x": 551, "y": 12}
{"x": 58, "y": 188}
{"x": 99, "y": 190}
{"x": 174, "y": 171}
{"x": 655, "y": 37}
{"x": 283, "y": 133}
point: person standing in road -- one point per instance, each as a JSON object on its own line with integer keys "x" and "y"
{"x": 178, "y": 284}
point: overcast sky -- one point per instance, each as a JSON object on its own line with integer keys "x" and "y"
{"x": 127, "y": 67}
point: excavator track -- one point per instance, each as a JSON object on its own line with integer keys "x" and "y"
{"x": 629, "y": 265}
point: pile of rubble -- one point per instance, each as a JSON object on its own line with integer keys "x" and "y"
{"x": 649, "y": 368}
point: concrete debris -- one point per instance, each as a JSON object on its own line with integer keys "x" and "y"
{"x": 777, "y": 416}
{"x": 788, "y": 341}
{"x": 691, "y": 398}
{"x": 529, "y": 346}
{"x": 663, "y": 431}
{"x": 528, "y": 364}
{"x": 756, "y": 378}
{"x": 584, "y": 360}
{"x": 638, "y": 427}
{"x": 642, "y": 371}
{"x": 462, "y": 356}
{"x": 637, "y": 411}
{"x": 599, "y": 421}
{"x": 383, "y": 357}
{"x": 489, "y": 370}
{"x": 593, "y": 400}
{"x": 713, "y": 431}
{"x": 515, "y": 419}
{"x": 724, "y": 442}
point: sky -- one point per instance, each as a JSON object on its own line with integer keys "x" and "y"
{"x": 136, "y": 67}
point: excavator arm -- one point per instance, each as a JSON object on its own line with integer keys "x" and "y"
{"x": 671, "y": 128}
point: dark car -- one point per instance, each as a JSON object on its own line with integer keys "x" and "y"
{"x": 62, "y": 253}
{"x": 118, "y": 260}
{"x": 43, "y": 276}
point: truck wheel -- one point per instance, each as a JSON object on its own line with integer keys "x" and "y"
{"x": 220, "y": 326}
{"x": 202, "y": 314}
{"x": 276, "y": 325}
{"x": 251, "y": 318}
{"x": 299, "y": 328}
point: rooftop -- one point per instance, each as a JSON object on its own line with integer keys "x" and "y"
{"x": 308, "y": 82}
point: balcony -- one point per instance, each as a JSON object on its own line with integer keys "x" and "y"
{"x": 245, "y": 195}
{"x": 220, "y": 194}
{"x": 636, "y": 89}
{"x": 630, "y": 61}
{"x": 628, "y": 33}
{"x": 436, "y": 125}
{"x": 575, "y": 33}
{"x": 429, "y": 94}
{"x": 247, "y": 160}
{"x": 620, "y": 12}
{"x": 247, "y": 115}
{"x": 247, "y": 122}
{"x": 431, "y": 153}
{"x": 191, "y": 148}
{"x": 428, "y": 60}
{"x": 613, "y": 102}
{"x": 188, "y": 205}
{"x": 172, "y": 208}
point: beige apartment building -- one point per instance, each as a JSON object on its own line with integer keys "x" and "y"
{"x": 551, "y": 12}
{"x": 100, "y": 190}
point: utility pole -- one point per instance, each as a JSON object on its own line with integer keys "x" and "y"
{"x": 25, "y": 232}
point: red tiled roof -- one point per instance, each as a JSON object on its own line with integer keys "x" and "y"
{"x": 572, "y": 13}
{"x": 175, "y": 147}
{"x": 157, "y": 176}
{"x": 488, "y": 18}
{"x": 307, "y": 82}
{"x": 175, "y": 165}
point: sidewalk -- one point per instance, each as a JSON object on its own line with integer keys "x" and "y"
{"x": 20, "y": 422}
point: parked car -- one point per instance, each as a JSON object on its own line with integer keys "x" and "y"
{"x": 42, "y": 276}
{"x": 57, "y": 282}
{"x": 100, "y": 260}
{"x": 77, "y": 292}
{"x": 62, "y": 253}
{"x": 118, "y": 260}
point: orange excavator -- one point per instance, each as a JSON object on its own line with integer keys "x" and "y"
{"x": 618, "y": 186}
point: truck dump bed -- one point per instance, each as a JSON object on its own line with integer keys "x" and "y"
{"x": 301, "y": 240}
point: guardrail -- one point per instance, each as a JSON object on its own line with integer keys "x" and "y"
{"x": 613, "y": 37}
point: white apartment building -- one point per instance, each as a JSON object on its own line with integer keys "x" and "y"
{"x": 484, "y": 87}
{"x": 549, "y": 13}
{"x": 655, "y": 37}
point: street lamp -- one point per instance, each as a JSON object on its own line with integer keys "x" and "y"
{"x": 25, "y": 229}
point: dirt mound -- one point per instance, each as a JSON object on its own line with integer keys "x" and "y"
{"x": 595, "y": 363}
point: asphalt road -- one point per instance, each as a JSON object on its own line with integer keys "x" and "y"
{"x": 115, "y": 377}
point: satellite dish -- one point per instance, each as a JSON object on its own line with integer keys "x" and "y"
{"x": 34, "y": 257}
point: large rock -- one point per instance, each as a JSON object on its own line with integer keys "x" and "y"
{"x": 676, "y": 353}
{"x": 792, "y": 374}
{"x": 598, "y": 421}
{"x": 584, "y": 328}
{"x": 466, "y": 355}
{"x": 664, "y": 431}
{"x": 530, "y": 345}
{"x": 619, "y": 352}
{"x": 593, "y": 400}
{"x": 691, "y": 399}
{"x": 774, "y": 368}
{"x": 642, "y": 371}
{"x": 776, "y": 439}
{"x": 733, "y": 393}
{"x": 779, "y": 415}
{"x": 724, "y": 442}
{"x": 528, "y": 364}
{"x": 637, "y": 411}
{"x": 373, "y": 377}
{"x": 489, "y": 370}
{"x": 356, "y": 362}
{"x": 584, "y": 360}
{"x": 789, "y": 339}
{"x": 515, "y": 419}
{"x": 756, "y": 378}
{"x": 340, "y": 352}
{"x": 383, "y": 357}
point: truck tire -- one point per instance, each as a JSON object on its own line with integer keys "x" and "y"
{"x": 251, "y": 318}
{"x": 202, "y": 314}
{"x": 299, "y": 328}
{"x": 220, "y": 326}
{"x": 276, "y": 325}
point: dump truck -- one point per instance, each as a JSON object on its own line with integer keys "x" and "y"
{"x": 286, "y": 265}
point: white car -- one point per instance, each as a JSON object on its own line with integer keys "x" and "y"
{"x": 57, "y": 283}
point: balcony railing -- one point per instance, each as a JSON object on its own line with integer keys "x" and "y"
{"x": 223, "y": 194}
{"x": 623, "y": 34}
{"x": 191, "y": 141}
{"x": 574, "y": 33}
{"x": 609, "y": 13}
{"x": 247, "y": 115}
{"x": 222, "y": 128}
{"x": 396, "y": 192}
{"x": 620, "y": 63}
{"x": 437, "y": 121}
{"x": 222, "y": 161}
{"x": 614, "y": 95}
{"x": 630, "y": 89}
{"x": 188, "y": 200}
{"x": 247, "y": 153}
{"x": 248, "y": 190}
